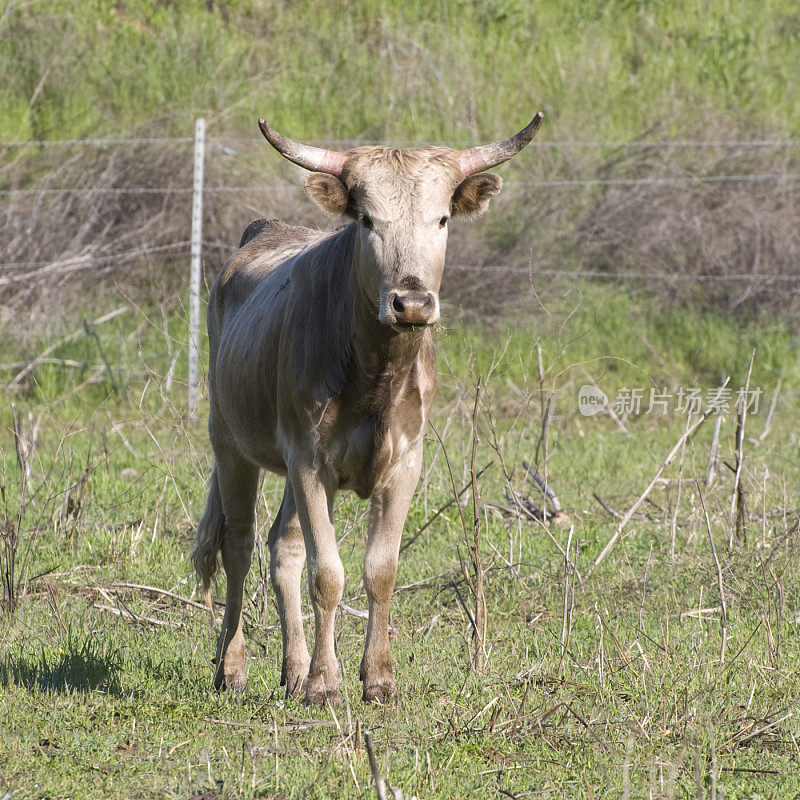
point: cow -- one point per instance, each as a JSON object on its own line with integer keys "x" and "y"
{"x": 322, "y": 370}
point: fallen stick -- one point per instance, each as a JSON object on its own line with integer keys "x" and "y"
{"x": 125, "y": 614}
{"x": 163, "y": 592}
{"x": 723, "y": 618}
{"x": 773, "y": 403}
{"x": 610, "y": 510}
{"x": 608, "y": 407}
{"x": 380, "y": 784}
{"x": 356, "y": 612}
{"x": 635, "y": 507}
{"x": 549, "y": 493}
{"x": 712, "y": 461}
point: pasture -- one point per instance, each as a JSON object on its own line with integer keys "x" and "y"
{"x": 611, "y": 682}
{"x": 643, "y": 643}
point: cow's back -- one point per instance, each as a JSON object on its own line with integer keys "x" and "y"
{"x": 264, "y": 246}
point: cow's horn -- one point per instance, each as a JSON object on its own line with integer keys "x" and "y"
{"x": 477, "y": 159}
{"x": 316, "y": 159}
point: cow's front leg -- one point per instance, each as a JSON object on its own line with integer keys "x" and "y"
{"x": 388, "y": 510}
{"x": 325, "y": 579}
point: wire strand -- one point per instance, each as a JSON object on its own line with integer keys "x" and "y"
{"x": 182, "y": 190}
{"x": 636, "y": 143}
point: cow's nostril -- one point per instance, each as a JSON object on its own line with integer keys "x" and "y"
{"x": 397, "y": 304}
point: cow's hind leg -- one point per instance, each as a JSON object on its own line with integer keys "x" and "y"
{"x": 287, "y": 554}
{"x": 388, "y": 510}
{"x": 238, "y": 484}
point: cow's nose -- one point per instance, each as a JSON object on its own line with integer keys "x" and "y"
{"x": 412, "y": 307}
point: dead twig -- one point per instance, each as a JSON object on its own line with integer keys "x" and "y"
{"x": 633, "y": 509}
{"x": 548, "y": 492}
{"x": 481, "y": 611}
{"x": 566, "y": 621}
{"x": 129, "y": 615}
{"x": 674, "y": 522}
{"x": 723, "y": 617}
{"x": 161, "y": 592}
{"x": 737, "y": 496}
{"x": 380, "y": 784}
{"x": 772, "y": 404}
{"x": 712, "y": 461}
{"x": 438, "y": 513}
{"x": 610, "y": 510}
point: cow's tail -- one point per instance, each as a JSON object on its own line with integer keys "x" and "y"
{"x": 210, "y": 533}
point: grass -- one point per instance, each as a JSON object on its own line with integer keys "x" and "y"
{"x": 105, "y": 688}
{"x": 453, "y": 70}
{"x": 609, "y": 685}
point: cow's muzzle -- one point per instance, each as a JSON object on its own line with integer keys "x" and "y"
{"x": 405, "y": 309}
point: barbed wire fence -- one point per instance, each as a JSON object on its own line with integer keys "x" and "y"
{"x": 17, "y": 271}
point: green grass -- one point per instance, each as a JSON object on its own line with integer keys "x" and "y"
{"x": 105, "y": 689}
{"x": 453, "y": 70}
{"x": 97, "y": 704}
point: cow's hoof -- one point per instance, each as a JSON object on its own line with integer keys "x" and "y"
{"x": 230, "y": 681}
{"x": 381, "y": 690}
{"x": 318, "y": 692}
{"x": 294, "y": 674}
{"x": 231, "y": 673}
{"x": 235, "y": 679}
{"x": 295, "y": 682}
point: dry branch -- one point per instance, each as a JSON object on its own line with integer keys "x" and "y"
{"x": 667, "y": 461}
{"x": 380, "y": 784}
{"x": 737, "y": 496}
{"x": 441, "y": 510}
{"x": 772, "y": 404}
{"x": 161, "y": 592}
{"x": 712, "y": 460}
{"x": 723, "y": 617}
{"x": 610, "y": 510}
{"x": 548, "y": 492}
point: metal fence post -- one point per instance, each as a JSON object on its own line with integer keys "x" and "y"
{"x": 197, "y": 251}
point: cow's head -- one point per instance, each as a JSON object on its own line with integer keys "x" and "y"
{"x": 402, "y": 201}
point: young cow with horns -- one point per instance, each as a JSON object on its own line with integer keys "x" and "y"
{"x": 322, "y": 370}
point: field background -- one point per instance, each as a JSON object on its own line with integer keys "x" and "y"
{"x": 606, "y": 682}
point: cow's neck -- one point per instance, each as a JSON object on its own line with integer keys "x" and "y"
{"x": 383, "y": 359}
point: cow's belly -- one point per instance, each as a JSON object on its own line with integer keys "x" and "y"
{"x": 247, "y": 411}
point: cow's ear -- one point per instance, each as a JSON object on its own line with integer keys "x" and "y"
{"x": 328, "y": 192}
{"x": 473, "y": 194}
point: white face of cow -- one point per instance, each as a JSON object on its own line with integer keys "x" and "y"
{"x": 402, "y": 201}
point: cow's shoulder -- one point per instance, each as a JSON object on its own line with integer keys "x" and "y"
{"x": 265, "y": 245}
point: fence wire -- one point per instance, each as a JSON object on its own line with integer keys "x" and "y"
{"x": 87, "y": 260}
{"x": 604, "y": 144}
{"x": 183, "y": 190}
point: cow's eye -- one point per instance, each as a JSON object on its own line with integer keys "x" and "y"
{"x": 366, "y": 221}
{"x": 443, "y": 221}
